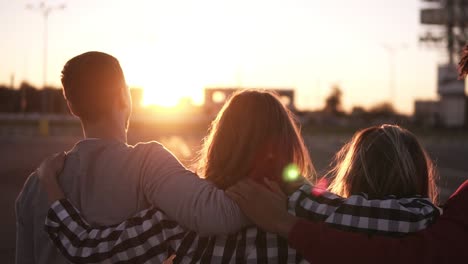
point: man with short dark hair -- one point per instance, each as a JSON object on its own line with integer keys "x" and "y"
{"x": 92, "y": 83}
{"x": 109, "y": 180}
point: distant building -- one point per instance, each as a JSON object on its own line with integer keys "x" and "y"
{"x": 216, "y": 97}
{"x": 452, "y": 105}
{"x": 426, "y": 113}
{"x": 28, "y": 99}
{"x": 451, "y": 110}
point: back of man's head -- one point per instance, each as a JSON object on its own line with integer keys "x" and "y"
{"x": 93, "y": 84}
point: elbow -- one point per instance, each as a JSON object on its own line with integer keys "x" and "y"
{"x": 210, "y": 212}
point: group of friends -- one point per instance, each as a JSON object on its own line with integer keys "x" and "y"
{"x": 105, "y": 201}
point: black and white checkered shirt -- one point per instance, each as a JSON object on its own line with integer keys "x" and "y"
{"x": 150, "y": 237}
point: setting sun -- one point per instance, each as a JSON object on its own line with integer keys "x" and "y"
{"x": 173, "y": 72}
{"x": 170, "y": 66}
{"x": 167, "y": 98}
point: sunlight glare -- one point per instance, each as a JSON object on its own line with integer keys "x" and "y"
{"x": 177, "y": 66}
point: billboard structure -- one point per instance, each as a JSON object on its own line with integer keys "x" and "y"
{"x": 452, "y": 105}
{"x": 446, "y": 23}
{"x": 216, "y": 97}
{"x": 452, "y": 17}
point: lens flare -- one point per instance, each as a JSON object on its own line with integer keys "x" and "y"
{"x": 320, "y": 187}
{"x": 291, "y": 173}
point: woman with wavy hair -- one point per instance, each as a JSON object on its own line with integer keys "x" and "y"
{"x": 254, "y": 135}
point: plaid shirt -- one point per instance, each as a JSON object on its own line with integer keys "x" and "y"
{"x": 150, "y": 237}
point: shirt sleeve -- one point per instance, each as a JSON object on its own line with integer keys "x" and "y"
{"x": 24, "y": 230}
{"x": 193, "y": 202}
{"x": 139, "y": 239}
{"x": 443, "y": 242}
{"x": 390, "y": 216}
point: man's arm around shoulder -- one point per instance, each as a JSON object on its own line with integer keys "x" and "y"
{"x": 193, "y": 202}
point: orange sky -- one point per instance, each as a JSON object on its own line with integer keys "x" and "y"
{"x": 185, "y": 45}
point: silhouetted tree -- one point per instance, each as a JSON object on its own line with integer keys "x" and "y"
{"x": 333, "y": 101}
{"x": 358, "y": 111}
{"x": 385, "y": 109}
{"x": 9, "y": 100}
{"x": 30, "y": 96}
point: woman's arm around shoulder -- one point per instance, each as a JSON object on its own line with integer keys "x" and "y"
{"x": 144, "y": 237}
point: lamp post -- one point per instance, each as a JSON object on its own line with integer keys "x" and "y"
{"x": 45, "y": 11}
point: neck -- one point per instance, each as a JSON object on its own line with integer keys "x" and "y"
{"x": 105, "y": 130}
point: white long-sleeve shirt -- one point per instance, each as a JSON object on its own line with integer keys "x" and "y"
{"x": 110, "y": 181}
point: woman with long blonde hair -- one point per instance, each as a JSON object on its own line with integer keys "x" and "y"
{"x": 384, "y": 160}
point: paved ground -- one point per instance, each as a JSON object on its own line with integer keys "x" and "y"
{"x": 20, "y": 156}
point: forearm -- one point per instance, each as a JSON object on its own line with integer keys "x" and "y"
{"x": 193, "y": 202}
{"x": 199, "y": 206}
{"x": 81, "y": 243}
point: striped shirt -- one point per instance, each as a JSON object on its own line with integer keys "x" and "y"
{"x": 150, "y": 237}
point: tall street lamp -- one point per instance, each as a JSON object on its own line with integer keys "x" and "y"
{"x": 45, "y": 10}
